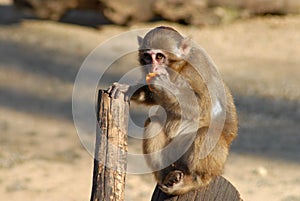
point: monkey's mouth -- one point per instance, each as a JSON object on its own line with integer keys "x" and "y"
{"x": 149, "y": 77}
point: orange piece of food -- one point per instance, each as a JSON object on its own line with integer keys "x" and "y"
{"x": 149, "y": 76}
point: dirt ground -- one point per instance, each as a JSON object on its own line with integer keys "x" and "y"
{"x": 42, "y": 158}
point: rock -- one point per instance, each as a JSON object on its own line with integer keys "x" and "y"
{"x": 262, "y": 171}
{"x": 262, "y": 6}
{"x": 186, "y": 11}
{"x": 127, "y": 12}
{"x": 195, "y": 12}
{"x": 54, "y": 9}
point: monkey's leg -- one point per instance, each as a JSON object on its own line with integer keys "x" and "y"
{"x": 178, "y": 177}
{"x": 197, "y": 171}
{"x": 154, "y": 142}
{"x": 189, "y": 171}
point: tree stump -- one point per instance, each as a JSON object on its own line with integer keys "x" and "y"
{"x": 218, "y": 190}
{"x": 111, "y": 147}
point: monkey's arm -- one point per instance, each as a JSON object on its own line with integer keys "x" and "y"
{"x": 174, "y": 94}
{"x": 143, "y": 95}
{"x": 137, "y": 94}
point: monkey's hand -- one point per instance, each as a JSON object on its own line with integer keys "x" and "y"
{"x": 161, "y": 83}
{"x": 116, "y": 89}
{"x": 150, "y": 76}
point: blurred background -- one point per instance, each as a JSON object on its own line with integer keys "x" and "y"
{"x": 254, "y": 43}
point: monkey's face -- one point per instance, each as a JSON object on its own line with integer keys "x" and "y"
{"x": 154, "y": 61}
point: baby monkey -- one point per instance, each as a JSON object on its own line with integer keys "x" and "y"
{"x": 173, "y": 147}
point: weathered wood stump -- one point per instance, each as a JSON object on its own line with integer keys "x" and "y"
{"x": 111, "y": 148}
{"x": 218, "y": 190}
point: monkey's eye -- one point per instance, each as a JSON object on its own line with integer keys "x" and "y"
{"x": 159, "y": 56}
{"x": 147, "y": 58}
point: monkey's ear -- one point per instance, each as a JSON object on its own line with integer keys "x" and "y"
{"x": 140, "y": 40}
{"x": 186, "y": 46}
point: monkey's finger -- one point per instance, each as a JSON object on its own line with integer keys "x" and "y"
{"x": 116, "y": 89}
{"x": 112, "y": 91}
{"x": 109, "y": 89}
{"x": 115, "y": 93}
{"x": 112, "y": 87}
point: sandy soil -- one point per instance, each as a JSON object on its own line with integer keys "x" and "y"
{"x": 41, "y": 156}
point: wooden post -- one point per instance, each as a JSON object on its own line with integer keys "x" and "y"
{"x": 111, "y": 148}
{"x": 218, "y": 190}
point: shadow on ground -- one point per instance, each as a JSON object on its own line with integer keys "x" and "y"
{"x": 268, "y": 128}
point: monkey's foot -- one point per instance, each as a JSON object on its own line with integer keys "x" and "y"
{"x": 172, "y": 178}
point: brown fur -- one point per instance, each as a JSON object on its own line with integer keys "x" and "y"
{"x": 189, "y": 171}
{"x": 196, "y": 172}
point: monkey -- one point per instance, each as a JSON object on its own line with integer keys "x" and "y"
{"x": 171, "y": 80}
